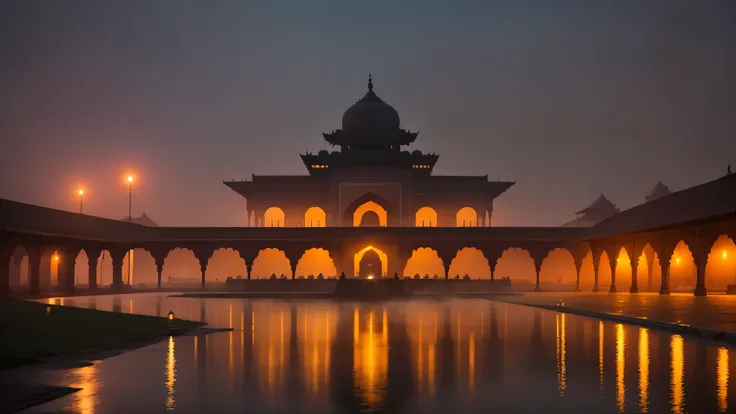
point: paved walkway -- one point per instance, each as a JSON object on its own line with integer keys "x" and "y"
{"x": 715, "y": 312}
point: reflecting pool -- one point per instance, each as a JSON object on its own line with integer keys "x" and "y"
{"x": 465, "y": 355}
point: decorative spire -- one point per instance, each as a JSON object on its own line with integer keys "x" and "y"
{"x": 370, "y": 82}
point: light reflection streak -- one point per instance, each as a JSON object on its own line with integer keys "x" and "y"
{"x": 561, "y": 355}
{"x": 86, "y": 398}
{"x": 677, "y": 362}
{"x": 170, "y": 376}
{"x": 471, "y": 362}
{"x": 723, "y": 374}
{"x": 643, "y": 370}
{"x": 620, "y": 368}
{"x": 600, "y": 353}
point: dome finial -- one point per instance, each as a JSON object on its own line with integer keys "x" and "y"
{"x": 370, "y": 82}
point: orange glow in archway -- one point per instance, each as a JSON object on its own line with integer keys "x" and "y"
{"x": 424, "y": 261}
{"x": 315, "y": 217}
{"x": 314, "y": 262}
{"x": 381, "y": 255}
{"x": 370, "y": 206}
{"x": 274, "y": 217}
{"x": 426, "y": 217}
{"x": 466, "y": 217}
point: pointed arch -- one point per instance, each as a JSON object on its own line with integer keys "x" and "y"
{"x": 314, "y": 262}
{"x": 720, "y": 270}
{"x": 424, "y": 261}
{"x": 369, "y": 201}
{"x": 682, "y": 271}
{"x": 558, "y": 271}
{"x": 180, "y": 266}
{"x": 381, "y": 254}
{"x": 271, "y": 262}
{"x": 517, "y": 264}
{"x": 470, "y": 261}
{"x": 224, "y": 263}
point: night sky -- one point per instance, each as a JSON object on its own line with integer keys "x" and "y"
{"x": 567, "y": 100}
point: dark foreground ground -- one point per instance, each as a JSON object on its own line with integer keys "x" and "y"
{"x": 34, "y": 332}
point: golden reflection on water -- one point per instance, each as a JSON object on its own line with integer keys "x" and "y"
{"x": 170, "y": 376}
{"x": 643, "y": 370}
{"x": 561, "y": 355}
{"x": 370, "y": 357}
{"x": 600, "y": 353}
{"x": 86, "y": 397}
{"x": 723, "y": 375}
{"x": 677, "y": 363}
{"x": 620, "y": 367}
{"x": 471, "y": 362}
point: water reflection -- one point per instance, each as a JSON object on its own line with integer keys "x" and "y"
{"x": 723, "y": 379}
{"x": 643, "y": 370}
{"x": 677, "y": 362}
{"x": 170, "y": 376}
{"x": 414, "y": 356}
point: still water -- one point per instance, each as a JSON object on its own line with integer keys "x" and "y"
{"x": 413, "y": 356}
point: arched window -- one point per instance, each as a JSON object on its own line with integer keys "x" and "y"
{"x": 426, "y": 217}
{"x": 274, "y": 217}
{"x": 315, "y": 217}
{"x": 466, "y": 217}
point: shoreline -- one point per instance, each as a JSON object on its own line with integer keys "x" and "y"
{"x": 725, "y": 337}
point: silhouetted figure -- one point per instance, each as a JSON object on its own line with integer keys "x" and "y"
{"x": 342, "y": 275}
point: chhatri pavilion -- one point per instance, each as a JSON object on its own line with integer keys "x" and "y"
{"x": 372, "y": 180}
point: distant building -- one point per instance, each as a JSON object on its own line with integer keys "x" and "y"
{"x": 601, "y": 209}
{"x": 143, "y": 220}
{"x": 660, "y": 190}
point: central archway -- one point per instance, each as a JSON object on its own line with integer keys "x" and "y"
{"x": 370, "y": 265}
{"x": 369, "y": 201}
{"x": 358, "y": 264}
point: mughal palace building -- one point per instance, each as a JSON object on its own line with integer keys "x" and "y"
{"x": 373, "y": 180}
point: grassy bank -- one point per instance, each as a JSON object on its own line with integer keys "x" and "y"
{"x": 34, "y": 332}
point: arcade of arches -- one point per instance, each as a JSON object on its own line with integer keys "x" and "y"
{"x": 557, "y": 270}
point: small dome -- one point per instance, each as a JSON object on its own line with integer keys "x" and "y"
{"x": 370, "y": 120}
{"x": 323, "y": 153}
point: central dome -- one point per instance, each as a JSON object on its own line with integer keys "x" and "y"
{"x": 370, "y": 122}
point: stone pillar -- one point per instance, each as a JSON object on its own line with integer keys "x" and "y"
{"x": 634, "y": 281}
{"x": 293, "y": 264}
{"x": 596, "y": 265}
{"x": 34, "y": 272}
{"x": 14, "y": 278}
{"x": 664, "y": 287}
{"x": 66, "y": 269}
{"x": 446, "y": 264}
{"x": 650, "y": 264}
{"x": 5, "y": 257}
{"x": 117, "y": 269}
{"x": 203, "y": 269}
{"x": 701, "y": 260}
{"x": 248, "y": 269}
{"x": 159, "y": 273}
{"x": 614, "y": 264}
{"x": 92, "y": 279}
{"x": 538, "y": 259}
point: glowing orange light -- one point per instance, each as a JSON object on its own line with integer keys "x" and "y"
{"x": 370, "y": 276}
{"x": 677, "y": 260}
{"x": 80, "y": 192}
{"x": 170, "y": 315}
{"x": 56, "y": 257}
{"x": 725, "y": 255}
{"x": 130, "y": 178}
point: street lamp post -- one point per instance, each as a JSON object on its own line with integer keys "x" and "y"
{"x": 130, "y": 220}
{"x": 81, "y": 195}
